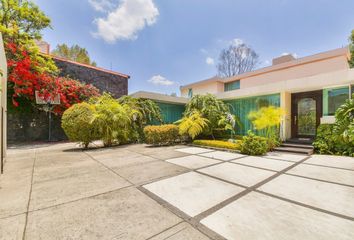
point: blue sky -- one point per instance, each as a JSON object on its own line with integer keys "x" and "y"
{"x": 163, "y": 44}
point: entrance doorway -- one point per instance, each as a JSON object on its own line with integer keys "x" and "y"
{"x": 306, "y": 111}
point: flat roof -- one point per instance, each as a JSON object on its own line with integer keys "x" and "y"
{"x": 296, "y": 62}
{"x": 160, "y": 97}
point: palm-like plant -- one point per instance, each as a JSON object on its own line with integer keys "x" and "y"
{"x": 344, "y": 125}
{"x": 192, "y": 125}
{"x": 111, "y": 118}
{"x": 210, "y": 108}
{"x": 148, "y": 109}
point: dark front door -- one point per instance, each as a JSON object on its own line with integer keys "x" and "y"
{"x": 306, "y": 111}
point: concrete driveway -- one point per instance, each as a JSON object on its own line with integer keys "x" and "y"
{"x": 139, "y": 192}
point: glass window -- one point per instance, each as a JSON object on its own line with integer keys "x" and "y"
{"x": 190, "y": 93}
{"x": 232, "y": 85}
{"x": 334, "y": 98}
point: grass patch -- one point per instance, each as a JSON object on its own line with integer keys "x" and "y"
{"x": 218, "y": 144}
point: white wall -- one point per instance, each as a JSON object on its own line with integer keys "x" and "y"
{"x": 3, "y": 99}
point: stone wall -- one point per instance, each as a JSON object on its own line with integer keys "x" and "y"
{"x": 104, "y": 80}
{"x": 32, "y": 125}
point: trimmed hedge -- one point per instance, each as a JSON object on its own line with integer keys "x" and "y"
{"x": 218, "y": 144}
{"x": 161, "y": 135}
{"x": 77, "y": 123}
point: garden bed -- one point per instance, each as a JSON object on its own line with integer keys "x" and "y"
{"x": 217, "y": 145}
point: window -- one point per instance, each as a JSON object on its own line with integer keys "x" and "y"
{"x": 190, "y": 92}
{"x": 334, "y": 98}
{"x": 232, "y": 86}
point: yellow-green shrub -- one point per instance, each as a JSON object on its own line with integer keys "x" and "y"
{"x": 218, "y": 144}
{"x": 161, "y": 135}
{"x": 254, "y": 145}
{"x": 77, "y": 123}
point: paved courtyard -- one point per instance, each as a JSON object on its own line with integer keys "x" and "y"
{"x": 138, "y": 192}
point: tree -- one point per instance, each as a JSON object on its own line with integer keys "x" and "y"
{"x": 21, "y": 20}
{"x": 351, "y": 46}
{"x": 236, "y": 59}
{"x": 74, "y": 53}
{"x": 211, "y": 108}
{"x": 21, "y": 23}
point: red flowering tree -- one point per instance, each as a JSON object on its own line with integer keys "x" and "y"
{"x": 26, "y": 76}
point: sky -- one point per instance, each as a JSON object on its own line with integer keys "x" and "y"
{"x": 163, "y": 44}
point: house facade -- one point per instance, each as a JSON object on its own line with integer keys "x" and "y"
{"x": 308, "y": 89}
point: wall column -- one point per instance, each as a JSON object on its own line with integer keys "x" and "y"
{"x": 285, "y": 126}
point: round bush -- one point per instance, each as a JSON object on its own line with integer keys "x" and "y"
{"x": 254, "y": 145}
{"x": 77, "y": 123}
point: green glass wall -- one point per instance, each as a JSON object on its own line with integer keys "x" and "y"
{"x": 171, "y": 112}
{"x": 333, "y": 98}
{"x": 242, "y": 107}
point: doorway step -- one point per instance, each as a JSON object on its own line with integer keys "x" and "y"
{"x": 298, "y": 146}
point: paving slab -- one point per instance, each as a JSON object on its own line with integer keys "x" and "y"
{"x": 15, "y": 186}
{"x": 182, "y": 231}
{"x": 193, "y": 150}
{"x": 285, "y": 156}
{"x": 327, "y": 196}
{"x": 332, "y": 161}
{"x": 193, "y": 161}
{"x": 168, "y": 154}
{"x": 63, "y": 168}
{"x": 120, "y": 162}
{"x": 122, "y": 214}
{"x": 335, "y": 175}
{"x": 193, "y": 193}
{"x": 243, "y": 175}
{"x": 62, "y": 190}
{"x": 221, "y": 155}
{"x": 141, "y": 173}
{"x": 12, "y": 228}
{"x": 257, "y": 216}
{"x": 267, "y": 163}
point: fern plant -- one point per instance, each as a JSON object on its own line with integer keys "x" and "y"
{"x": 112, "y": 119}
{"x": 192, "y": 125}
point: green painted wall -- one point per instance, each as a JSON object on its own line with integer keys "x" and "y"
{"x": 243, "y": 106}
{"x": 171, "y": 112}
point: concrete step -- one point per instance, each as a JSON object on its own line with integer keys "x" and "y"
{"x": 305, "y": 141}
{"x": 296, "y": 145}
{"x": 298, "y": 150}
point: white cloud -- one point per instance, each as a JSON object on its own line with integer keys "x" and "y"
{"x": 210, "y": 61}
{"x": 160, "y": 80}
{"x": 102, "y": 5}
{"x": 126, "y": 20}
{"x": 237, "y": 41}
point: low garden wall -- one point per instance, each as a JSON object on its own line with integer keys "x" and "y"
{"x": 33, "y": 126}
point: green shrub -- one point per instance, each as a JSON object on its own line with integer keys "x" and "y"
{"x": 161, "y": 135}
{"x": 112, "y": 119}
{"x": 254, "y": 145}
{"x": 218, "y": 144}
{"x": 77, "y": 123}
{"x": 328, "y": 142}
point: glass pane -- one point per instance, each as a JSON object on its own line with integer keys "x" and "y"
{"x": 333, "y": 99}
{"x": 306, "y": 110}
{"x": 232, "y": 85}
